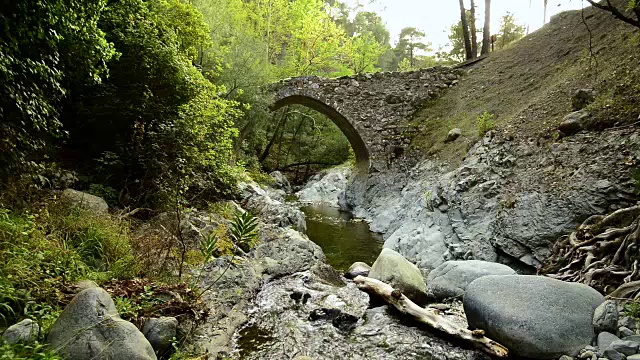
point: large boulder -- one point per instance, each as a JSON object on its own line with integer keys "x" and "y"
{"x": 270, "y": 210}
{"x": 452, "y": 278}
{"x": 26, "y": 330}
{"x": 160, "y": 332}
{"x": 85, "y": 201}
{"x": 533, "y": 316}
{"x": 280, "y": 181}
{"x": 393, "y": 269}
{"x": 575, "y": 122}
{"x": 326, "y": 188}
{"x": 90, "y": 328}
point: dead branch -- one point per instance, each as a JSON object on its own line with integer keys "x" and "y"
{"x": 430, "y": 317}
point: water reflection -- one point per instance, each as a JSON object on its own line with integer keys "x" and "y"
{"x": 343, "y": 239}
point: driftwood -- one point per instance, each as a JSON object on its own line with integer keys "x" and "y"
{"x": 430, "y": 317}
{"x": 603, "y": 253}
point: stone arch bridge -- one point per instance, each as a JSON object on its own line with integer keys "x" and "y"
{"x": 372, "y": 110}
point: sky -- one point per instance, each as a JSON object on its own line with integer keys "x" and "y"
{"x": 435, "y": 17}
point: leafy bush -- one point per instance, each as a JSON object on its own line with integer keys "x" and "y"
{"x": 484, "y": 123}
{"x": 35, "y": 351}
{"x": 244, "y": 230}
{"x": 43, "y": 251}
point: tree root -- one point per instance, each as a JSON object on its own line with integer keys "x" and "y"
{"x": 603, "y": 253}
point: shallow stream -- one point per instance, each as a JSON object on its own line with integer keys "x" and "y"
{"x": 343, "y": 239}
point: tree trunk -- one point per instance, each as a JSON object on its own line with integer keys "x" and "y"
{"x": 267, "y": 149}
{"x": 430, "y": 317}
{"x": 465, "y": 31}
{"x": 472, "y": 29}
{"x": 486, "y": 31}
{"x": 546, "y": 2}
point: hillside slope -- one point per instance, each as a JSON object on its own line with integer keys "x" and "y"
{"x": 528, "y": 85}
{"x": 509, "y": 194}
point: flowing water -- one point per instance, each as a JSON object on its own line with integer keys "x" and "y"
{"x": 343, "y": 239}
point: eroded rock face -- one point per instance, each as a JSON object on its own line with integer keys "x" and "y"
{"x": 533, "y": 316}
{"x": 90, "y": 328}
{"x": 269, "y": 210}
{"x": 393, "y": 269}
{"x": 326, "y": 187}
{"x": 508, "y": 201}
{"x": 452, "y": 278}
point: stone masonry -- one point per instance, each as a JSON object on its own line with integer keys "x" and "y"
{"x": 372, "y": 110}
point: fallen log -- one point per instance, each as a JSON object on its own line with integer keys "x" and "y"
{"x": 430, "y": 317}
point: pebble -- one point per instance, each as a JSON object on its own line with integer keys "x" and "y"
{"x": 587, "y": 355}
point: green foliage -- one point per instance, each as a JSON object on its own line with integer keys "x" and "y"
{"x": 509, "y": 31}
{"x": 48, "y": 49}
{"x": 208, "y": 247}
{"x": 34, "y": 351}
{"x": 635, "y": 178}
{"x": 632, "y": 309}
{"x": 484, "y": 123}
{"x": 244, "y": 230}
{"x": 42, "y": 252}
{"x": 109, "y": 194}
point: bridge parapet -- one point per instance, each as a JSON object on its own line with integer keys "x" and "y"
{"x": 373, "y": 110}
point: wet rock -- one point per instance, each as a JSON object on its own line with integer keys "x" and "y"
{"x": 286, "y": 251}
{"x": 25, "y": 331}
{"x": 85, "y": 201}
{"x": 453, "y": 134}
{"x": 344, "y": 322}
{"x": 327, "y": 274}
{"x": 605, "y": 339}
{"x": 393, "y": 269}
{"x": 327, "y": 187}
{"x": 90, "y": 328}
{"x": 160, "y": 332}
{"x": 280, "y": 181}
{"x": 533, "y": 316}
{"x": 605, "y": 317}
{"x": 581, "y": 98}
{"x": 452, "y": 277}
{"x": 300, "y": 297}
{"x": 357, "y": 269}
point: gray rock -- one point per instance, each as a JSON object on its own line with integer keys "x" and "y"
{"x": 625, "y": 347}
{"x": 613, "y": 355}
{"x": 280, "y": 181}
{"x": 605, "y": 339}
{"x": 270, "y": 210}
{"x": 605, "y": 318}
{"x": 634, "y": 357}
{"x": 85, "y": 201}
{"x": 565, "y": 357}
{"x": 581, "y": 98}
{"x": 628, "y": 322}
{"x": 625, "y": 332}
{"x": 635, "y": 338}
{"x": 396, "y": 271}
{"x": 160, "y": 332}
{"x": 575, "y": 122}
{"x": 588, "y": 354}
{"x": 26, "y": 330}
{"x": 452, "y": 277}
{"x": 84, "y": 284}
{"x": 90, "y": 328}
{"x": 453, "y": 134}
{"x": 357, "y": 269}
{"x": 533, "y": 316}
{"x": 326, "y": 188}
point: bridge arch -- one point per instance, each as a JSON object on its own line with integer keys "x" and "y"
{"x": 357, "y": 143}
